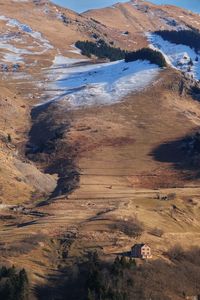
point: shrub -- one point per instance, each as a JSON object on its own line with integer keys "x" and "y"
{"x": 176, "y": 253}
{"x": 171, "y": 196}
{"x": 9, "y": 138}
{"x": 132, "y": 227}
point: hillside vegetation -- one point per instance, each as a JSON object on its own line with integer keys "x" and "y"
{"x": 124, "y": 279}
{"x": 153, "y": 56}
{"x": 102, "y": 50}
{"x": 13, "y": 284}
{"x": 186, "y": 37}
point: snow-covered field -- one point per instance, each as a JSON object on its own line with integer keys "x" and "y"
{"x": 19, "y": 40}
{"x": 81, "y": 83}
{"x": 178, "y": 56}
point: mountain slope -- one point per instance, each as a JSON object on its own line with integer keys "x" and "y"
{"x": 137, "y": 17}
{"x": 85, "y": 142}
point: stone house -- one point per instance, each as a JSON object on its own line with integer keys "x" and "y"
{"x": 142, "y": 251}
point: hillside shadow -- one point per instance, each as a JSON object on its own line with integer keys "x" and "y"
{"x": 181, "y": 153}
{"x": 49, "y": 149}
{"x": 65, "y": 285}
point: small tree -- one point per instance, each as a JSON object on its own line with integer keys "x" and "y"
{"x": 191, "y": 62}
{"x": 9, "y": 138}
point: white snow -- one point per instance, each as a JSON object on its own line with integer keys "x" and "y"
{"x": 13, "y": 58}
{"x": 3, "y": 18}
{"x": 177, "y": 55}
{"x": 84, "y": 84}
{"x": 25, "y": 28}
{"x": 75, "y": 50}
{"x": 14, "y": 45}
{"x": 61, "y": 60}
{"x": 14, "y": 49}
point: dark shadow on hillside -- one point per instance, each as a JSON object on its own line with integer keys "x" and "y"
{"x": 124, "y": 254}
{"x": 183, "y": 154}
{"x": 49, "y": 149}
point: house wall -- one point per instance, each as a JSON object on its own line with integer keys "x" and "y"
{"x": 145, "y": 251}
{"x": 139, "y": 251}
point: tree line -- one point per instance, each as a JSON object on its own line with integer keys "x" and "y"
{"x": 153, "y": 56}
{"x": 109, "y": 284}
{"x": 102, "y": 50}
{"x": 186, "y": 37}
{"x": 14, "y": 284}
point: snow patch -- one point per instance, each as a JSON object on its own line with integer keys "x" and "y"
{"x": 75, "y": 50}
{"x": 13, "y": 58}
{"x": 86, "y": 84}
{"x": 27, "y": 29}
{"x": 179, "y": 56}
{"x": 8, "y": 38}
{"x": 60, "y": 60}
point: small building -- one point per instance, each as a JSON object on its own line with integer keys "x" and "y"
{"x": 142, "y": 251}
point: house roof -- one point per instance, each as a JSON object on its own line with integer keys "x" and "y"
{"x": 139, "y": 245}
